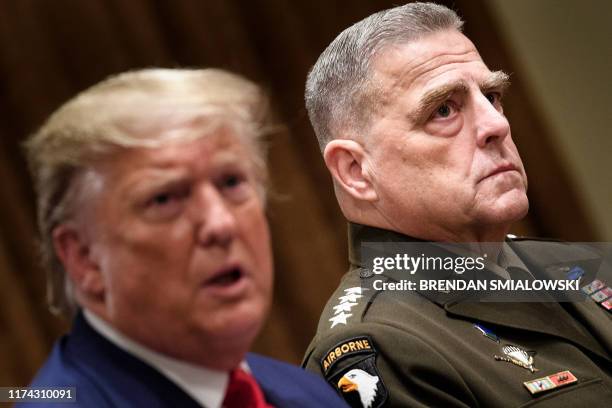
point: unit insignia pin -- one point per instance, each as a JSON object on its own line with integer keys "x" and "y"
{"x": 550, "y": 382}
{"x": 486, "y": 332}
{"x": 517, "y": 356}
{"x": 593, "y": 287}
{"x": 602, "y": 294}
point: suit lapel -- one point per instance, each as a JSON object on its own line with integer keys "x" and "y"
{"x": 267, "y": 381}
{"x": 126, "y": 379}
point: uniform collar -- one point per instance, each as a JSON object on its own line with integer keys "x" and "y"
{"x": 358, "y": 234}
{"x": 518, "y": 315}
{"x": 204, "y": 385}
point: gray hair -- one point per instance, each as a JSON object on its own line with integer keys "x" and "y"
{"x": 124, "y": 111}
{"x": 338, "y": 95}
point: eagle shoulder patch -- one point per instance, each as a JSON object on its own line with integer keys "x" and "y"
{"x": 356, "y": 377}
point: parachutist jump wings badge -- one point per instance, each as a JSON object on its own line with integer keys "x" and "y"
{"x": 517, "y": 356}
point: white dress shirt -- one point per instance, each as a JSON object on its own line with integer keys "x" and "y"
{"x": 204, "y": 385}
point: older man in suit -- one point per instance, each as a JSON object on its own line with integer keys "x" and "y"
{"x": 151, "y": 196}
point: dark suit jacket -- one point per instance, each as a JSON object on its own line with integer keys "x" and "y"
{"x": 106, "y": 376}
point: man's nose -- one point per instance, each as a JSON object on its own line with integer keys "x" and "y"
{"x": 491, "y": 124}
{"x": 216, "y": 221}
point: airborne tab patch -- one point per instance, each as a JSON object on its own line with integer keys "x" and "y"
{"x": 359, "y": 382}
{"x": 349, "y": 347}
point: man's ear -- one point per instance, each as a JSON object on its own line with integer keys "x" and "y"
{"x": 75, "y": 254}
{"x": 346, "y": 161}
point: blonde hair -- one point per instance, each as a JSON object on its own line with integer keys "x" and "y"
{"x": 124, "y": 111}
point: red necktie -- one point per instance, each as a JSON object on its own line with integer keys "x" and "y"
{"x": 244, "y": 392}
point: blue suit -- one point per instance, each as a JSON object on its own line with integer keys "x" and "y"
{"x": 106, "y": 376}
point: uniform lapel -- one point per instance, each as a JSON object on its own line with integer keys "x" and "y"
{"x": 546, "y": 318}
{"x": 539, "y": 256}
{"x": 597, "y": 320}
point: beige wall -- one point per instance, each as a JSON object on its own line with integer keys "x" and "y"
{"x": 564, "y": 49}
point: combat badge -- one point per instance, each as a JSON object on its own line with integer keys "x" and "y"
{"x": 359, "y": 382}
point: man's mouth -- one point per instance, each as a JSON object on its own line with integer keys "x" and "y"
{"x": 501, "y": 169}
{"x": 226, "y": 277}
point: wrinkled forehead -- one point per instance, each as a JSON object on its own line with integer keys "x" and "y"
{"x": 398, "y": 66}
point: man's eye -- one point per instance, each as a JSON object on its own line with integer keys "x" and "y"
{"x": 231, "y": 181}
{"x": 444, "y": 111}
{"x": 166, "y": 205}
{"x": 493, "y": 97}
{"x": 161, "y": 199}
{"x": 236, "y": 187}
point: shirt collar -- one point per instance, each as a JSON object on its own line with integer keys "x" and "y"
{"x": 204, "y": 385}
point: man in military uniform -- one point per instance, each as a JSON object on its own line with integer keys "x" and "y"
{"x": 410, "y": 122}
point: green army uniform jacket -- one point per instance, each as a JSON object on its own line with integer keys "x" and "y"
{"x": 379, "y": 350}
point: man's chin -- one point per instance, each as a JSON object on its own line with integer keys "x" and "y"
{"x": 510, "y": 210}
{"x": 240, "y": 322}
